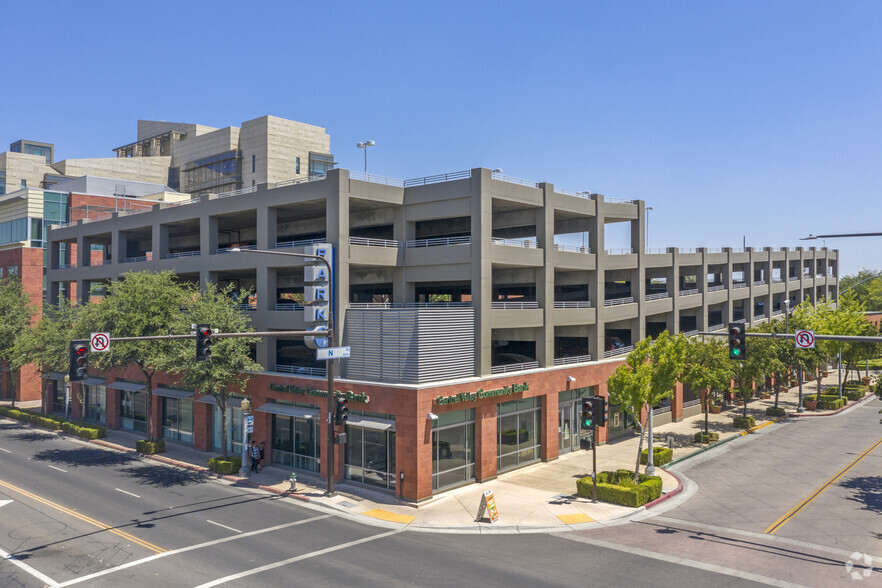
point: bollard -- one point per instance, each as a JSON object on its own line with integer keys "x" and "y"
{"x": 670, "y": 442}
{"x": 293, "y": 481}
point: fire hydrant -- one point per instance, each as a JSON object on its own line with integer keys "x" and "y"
{"x": 293, "y": 481}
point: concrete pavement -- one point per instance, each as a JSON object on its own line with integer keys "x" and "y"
{"x": 539, "y": 497}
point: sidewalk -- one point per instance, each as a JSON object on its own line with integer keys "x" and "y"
{"x": 539, "y": 497}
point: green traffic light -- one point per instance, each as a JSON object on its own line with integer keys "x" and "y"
{"x": 586, "y": 423}
{"x": 736, "y": 352}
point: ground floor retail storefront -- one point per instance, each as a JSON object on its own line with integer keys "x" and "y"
{"x": 414, "y": 442}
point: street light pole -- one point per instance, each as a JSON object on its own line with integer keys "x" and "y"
{"x": 330, "y": 336}
{"x": 364, "y": 145}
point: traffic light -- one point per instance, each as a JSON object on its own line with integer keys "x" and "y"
{"x": 599, "y": 411}
{"x": 79, "y": 361}
{"x": 203, "y": 342}
{"x": 587, "y": 413}
{"x": 737, "y": 341}
{"x": 342, "y": 412}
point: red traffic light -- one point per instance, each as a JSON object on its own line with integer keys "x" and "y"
{"x": 205, "y": 332}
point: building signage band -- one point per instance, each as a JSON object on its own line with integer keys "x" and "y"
{"x": 309, "y": 391}
{"x": 481, "y": 394}
{"x": 317, "y": 296}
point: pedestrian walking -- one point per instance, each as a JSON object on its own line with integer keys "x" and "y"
{"x": 255, "y": 456}
{"x": 262, "y": 456}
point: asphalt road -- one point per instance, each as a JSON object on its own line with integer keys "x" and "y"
{"x": 74, "y": 513}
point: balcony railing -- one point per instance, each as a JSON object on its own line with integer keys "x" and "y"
{"x": 572, "y": 304}
{"x": 716, "y": 328}
{"x": 657, "y": 296}
{"x": 439, "y": 241}
{"x": 716, "y": 288}
{"x": 223, "y": 250}
{"x": 624, "y": 251}
{"x": 619, "y": 351}
{"x": 618, "y": 301}
{"x": 62, "y": 266}
{"x": 573, "y": 248}
{"x": 460, "y": 175}
{"x": 514, "y": 305}
{"x": 514, "y": 367}
{"x": 572, "y": 359}
{"x": 289, "y": 306}
{"x": 135, "y": 259}
{"x": 295, "y": 181}
{"x": 656, "y": 251}
{"x": 738, "y": 285}
{"x": 794, "y": 278}
{"x": 777, "y": 312}
{"x": 296, "y": 369}
{"x": 759, "y": 317}
{"x": 759, "y": 283}
{"x": 389, "y": 305}
{"x": 374, "y": 242}
{"x": 179, "y": 254}
{"x": 238, "y": 192}
{"x": 247, "y": 307}
{"x": 374, "y": 179}
{"x": 511, "y": 180}
{"x": 777, "y": 280}
{"x": 528, "y": 243}
{"x": 301, "y": 243}
{"x": 693, "y": 333}
{"x": 693, "y": 402}
{"x": 689, "y": 292}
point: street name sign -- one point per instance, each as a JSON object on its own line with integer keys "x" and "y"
{"x": 333, "y": 353}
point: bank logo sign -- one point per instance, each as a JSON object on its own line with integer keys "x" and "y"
{"x": 480, "y": 394}
{"x": 317, "y": 296}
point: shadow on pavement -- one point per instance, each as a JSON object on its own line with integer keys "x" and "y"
{"x": 163, "y": 476}
{"x": 32, "y": 436}
{"x": 85, "y": 457}
{"x": 868, "y": 491}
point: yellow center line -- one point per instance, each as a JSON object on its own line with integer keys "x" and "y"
{"x": 83, "y": 517}
{"x": 796, "y": 509}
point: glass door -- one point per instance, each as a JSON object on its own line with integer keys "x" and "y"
{"x": 566, "y": 428}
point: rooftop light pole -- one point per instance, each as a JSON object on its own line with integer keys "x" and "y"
{"x": 330, "y": 362}
{"x": 364, "y": 145}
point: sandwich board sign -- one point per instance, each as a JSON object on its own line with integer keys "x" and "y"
{"x": 488, "y": 503}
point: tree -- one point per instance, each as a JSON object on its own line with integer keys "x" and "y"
{"x": 751, "y": 370}
{"x": 138, "y": 304}
{"x": 777, "y": 353}
{"x": 227, "y": 370}
{"x": 15, "y": 316}
{"x": 866, "y": 286}
{"x": 648, "y": 376}
{"x": 46, "y": 344}
{"x": 706, "y": 368}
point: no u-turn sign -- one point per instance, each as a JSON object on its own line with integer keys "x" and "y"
{"x": 805, "y": 339}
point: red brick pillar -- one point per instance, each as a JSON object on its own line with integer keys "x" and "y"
{"x": 485, "y": 442}
{"x": 113, "y": 417}
{"x": 77, "y": 398}
{"x": 550, "y": 427}
{"x": 202, "y": 425}
{"x": 677, "y": 403}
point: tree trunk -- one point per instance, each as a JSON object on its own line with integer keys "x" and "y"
{"x": 222, "y": 405}
{"x": 44, "y": 394}
{"x": 706, "y": 410}
{"x": 744, "y": 400}
{"x": 12, "y": 386}
{"x": 639, "y": 451}
{"x": 148, "y": 375}
{"x": 819, "y": 383}
{"x": 777, "y": 389}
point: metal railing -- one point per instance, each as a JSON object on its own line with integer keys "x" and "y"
{"x": 135, "y": 259}
{"x": 793, "y": 278}
{"x": 438, "y": 305}
{"x": 572, "y": 359}
{"x": 737, "y": 285}
{"x": 390, "y": 305}
{"x": 296, "y": 369}
{"x": 619, "y": 201}
{"x": 528, "y": 243}
{"x": 289, "y": 306}
{"x": 583, "y": 194}
{"x": 223, "y": 250}
{"x": 295, "y": 181}
{"x": 758, "y": 317}
{"x": 248, "y": 307}
{"x": 514, "y": 305}
{"x": 660, "y": 410}
{"x": 777, "y": 312}
{"x": 693, "y": 402}
{"x": 618, "y": 301}
{"x": 572, "y": 304}
{"x": 690, "y": 250}
{"x": 62, "y": 266}
{"x": 439, "y": 241}
{"x": 132, "y": 211}
{"x": 714, "y": 250}
{"x": 238, "y": 192}
{"x": 624, "y": 251}
{"x": 103, "y": 262}
{"x": 374, "y": 179}
{"x": 513, "y": 367}
{"x": 716, "y": 288}
{"x": 366, "y": 241}
{"x": 573, "y": 248}
{"x": 692, "y": 333}
{"x": 511, "y": 180}
{"x": 777, "y": 280}
{"x": 689, "y": 292}
{"x": 656, "y": 251}
{"x": 177, "y": 254}
{"x": 300, "y": 243}
{"x": 657, "y": 296}
{"x": 460, "y": 175}
{"x": 716, "y": 327}
{"x": 619, "y": 351}
{"x": 759, "y": 283}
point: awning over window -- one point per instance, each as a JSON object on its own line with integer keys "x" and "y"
{"x": 172, "y": 393}
{"x": 57, "y": 376}
{"x": 232, "y": 402}
{"x": 288, "y": 410}
{"x": 94, "y": 381}
{"x": 376, "y": 423}
{"x": 127, "y": 386}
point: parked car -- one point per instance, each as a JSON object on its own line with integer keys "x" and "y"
{"x": 613, "y": 343}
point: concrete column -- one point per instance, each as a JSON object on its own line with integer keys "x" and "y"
{"x": 482, "y": 269}
{"x": 727, "y": 280}
{"x": 207, "y": 235}
{"x": 545, "y": 277}
{"x": 266, "y": 287}
{"x": 336, "y": 194}
{"x": 701, "y": 281}
{"x": 672, "y": 275}
{"x": 638, "y": 245}
{"x": 82, "y": 253}
{"x": 118, "y": 245}
{"x": 267, "y": 227}
{"x": 597, "y": 288}
{"x": 402, "y": 231}
{"x": 160, "y": 241}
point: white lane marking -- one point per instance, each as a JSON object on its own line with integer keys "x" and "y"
{"x": 4, "y": 502}
{"x": 126, "y": 492}
{"x": 6, "y": 450}
{"x": 224, "y": 526}
{"x": 285, "y": 562}
{"x": 691, "y": 563}
{"x": 191, "y": 548}
{"x": 59, "y": 469}
{"x": 12, "y": 559}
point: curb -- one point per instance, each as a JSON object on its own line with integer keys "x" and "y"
{"x": 667, "y": 496}
{"x": 800, "y": 415}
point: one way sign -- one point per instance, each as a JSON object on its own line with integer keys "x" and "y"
{"x": 332, "y": 353}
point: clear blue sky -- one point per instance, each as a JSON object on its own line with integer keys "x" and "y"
{"x": 751, "y": 119}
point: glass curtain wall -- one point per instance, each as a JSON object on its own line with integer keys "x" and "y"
{"x": 177, "y": 419}
{"x": 519, "y": 435}
{"x": 453, "y": 448}
{"x": 96, "y": 404}
{"x": 133, "y": 410}
{"x": 295, "y": 442}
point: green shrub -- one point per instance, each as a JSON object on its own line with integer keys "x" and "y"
{"x": 225, "y": 466}
{"x": 831, "y": 403}
{"x": 646, "y": 490}
{"x": 741, "y": 422}
{"x": 854, "y": 394}
{"x": 660, "y": 456}
{"x": 150, "y": 447}
{"x": 852, "y": 384}
{"x": 84, "y": 430}
{"x": 775, "y": 412}
{"x": 711, "y": 437}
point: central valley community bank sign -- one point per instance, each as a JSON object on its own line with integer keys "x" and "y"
{"x": 348, "y": 394}
{"x": 481, "y": 394}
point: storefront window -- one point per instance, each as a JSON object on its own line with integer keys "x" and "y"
{"x": 96, "y": 404}
{"x": 133, "y": 410}
{"x": 453, "y": 448}
{"x": 177, "y": 419}
{"x": 234, "y": 429}
{"x": 518, "y": 430}
{"x": 57, "y": 391}
{"x": 370, "y": 451}
{"x": 295, "y": 442}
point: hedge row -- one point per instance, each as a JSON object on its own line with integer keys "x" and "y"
{"x": 609, "y": 488}
{"x": 775, "y": 412}
{"x": 54, "y": 423}
{"x": 223, "y": 466}
{"x": 150, "y": 447}
{"x": 742, "y": 422}
{"x": 660, "y": 456}
{"x": 711, "y": 437}
{"x": 834, "y": 403}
